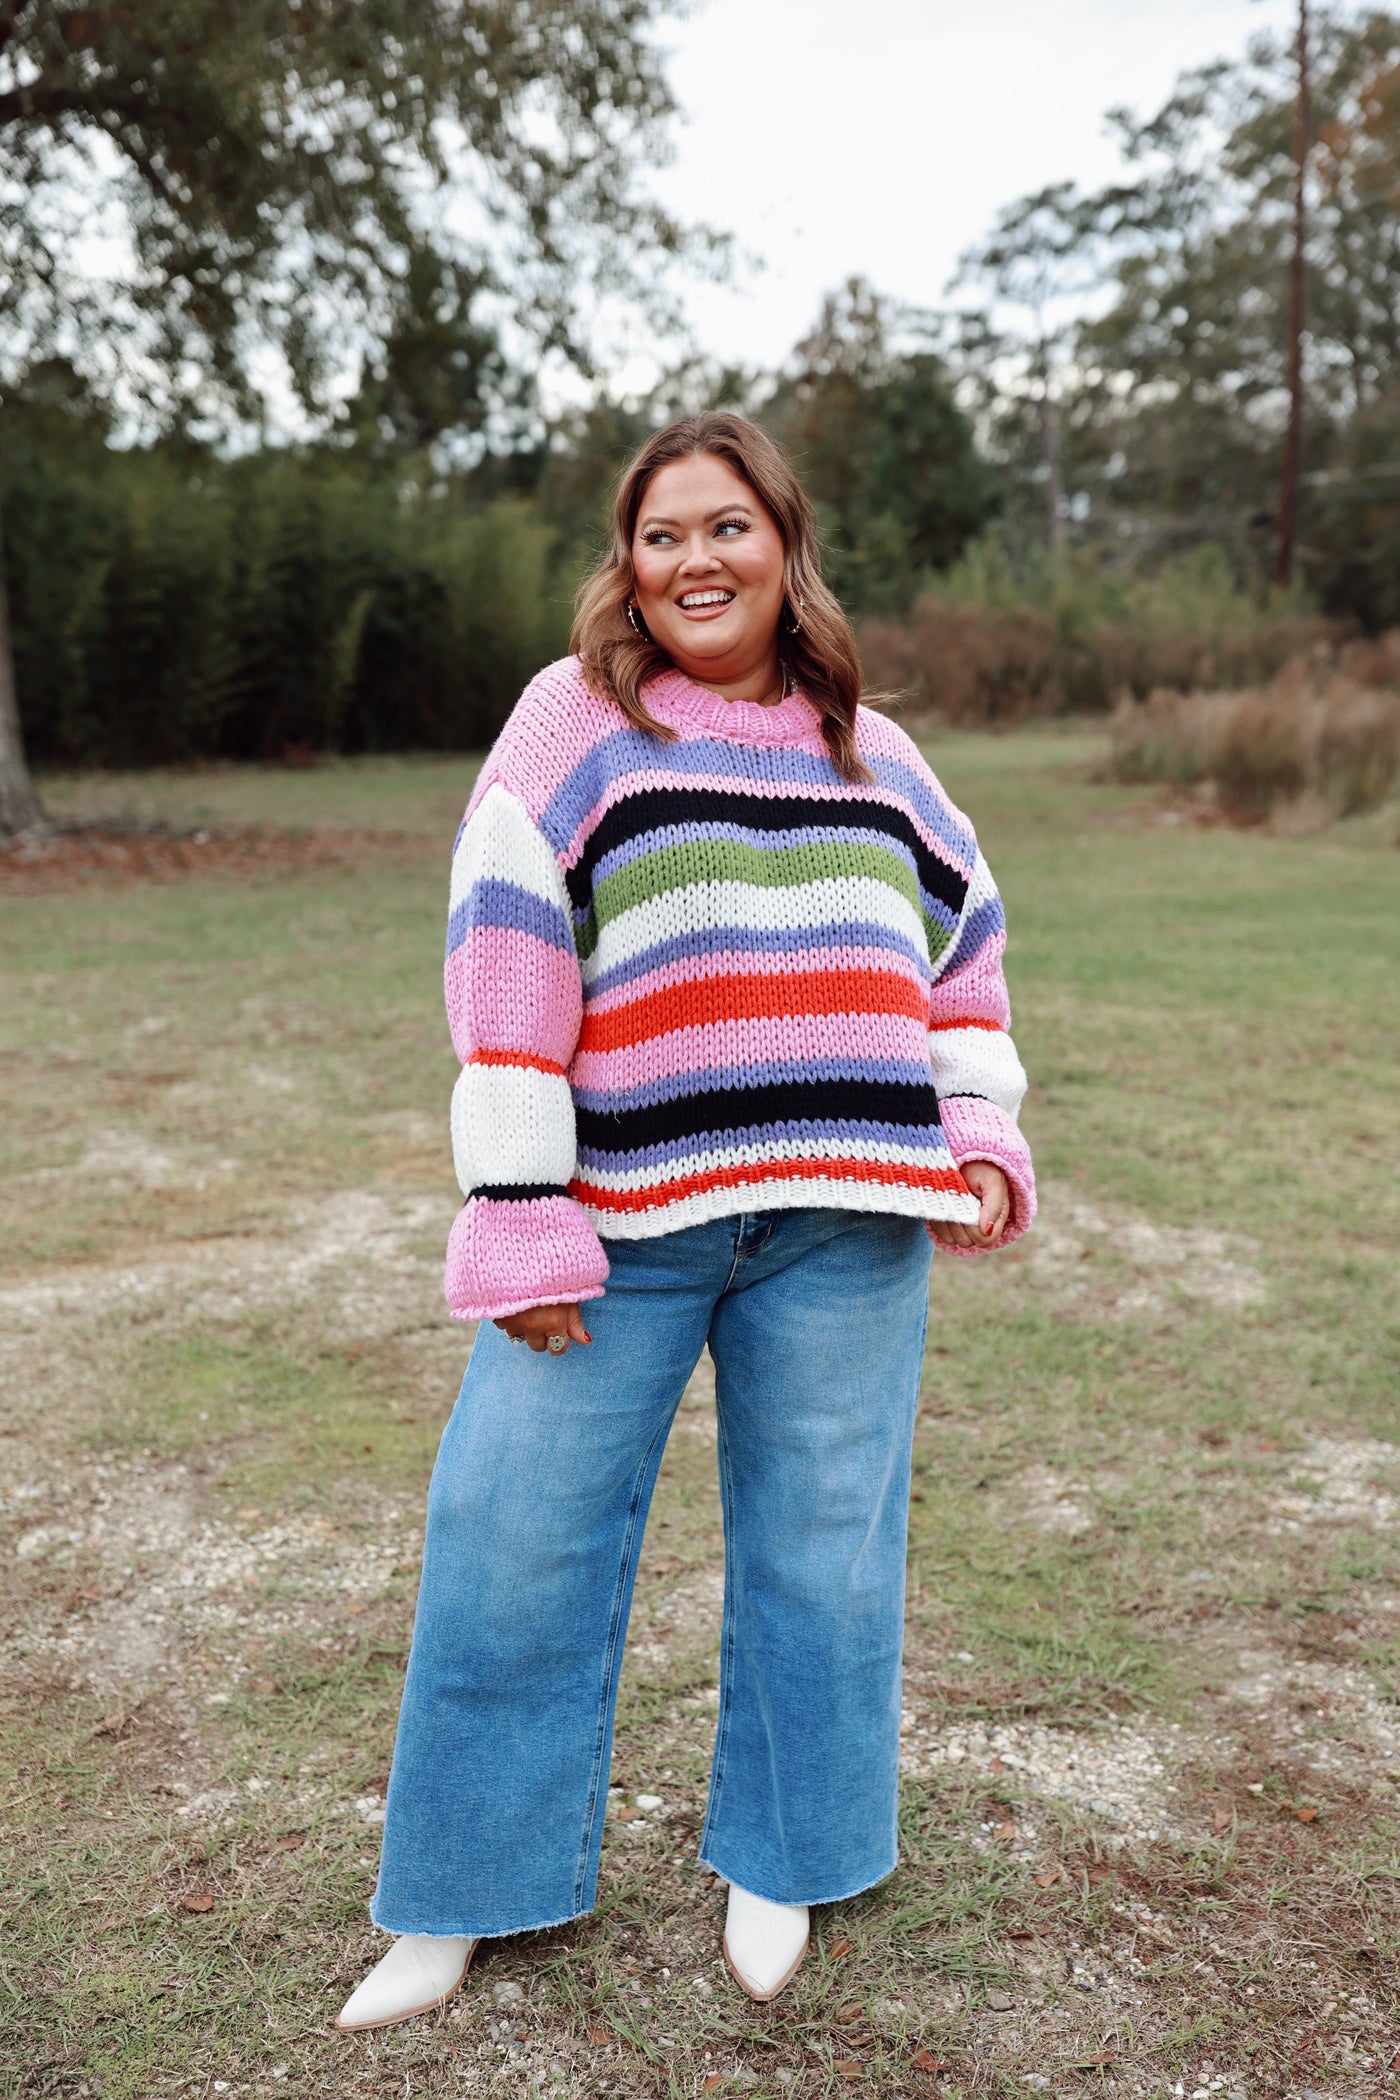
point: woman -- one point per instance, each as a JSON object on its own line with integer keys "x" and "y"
{"x": 724, "y": 974}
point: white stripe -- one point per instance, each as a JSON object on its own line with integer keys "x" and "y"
{"x": 501, "y": 844}
{"x": 811, "y": 907}
{"x": 511, "y": 1123}
{"x": 978, "y": 1061}
{"x": 781, "y": 1195}
{"x": 703, "y": 1162}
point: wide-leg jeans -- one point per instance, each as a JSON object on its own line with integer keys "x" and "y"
{"x": 815, "y": 1320}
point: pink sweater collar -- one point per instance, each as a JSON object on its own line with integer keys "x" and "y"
{"x": 682, "y": 704}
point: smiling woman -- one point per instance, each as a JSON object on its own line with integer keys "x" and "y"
{"x": 714, "y": 566}
{"x": 724, "y": 975}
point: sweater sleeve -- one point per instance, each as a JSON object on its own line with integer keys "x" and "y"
{"x": 514, "y": 1004}
{"x": 976, "y": 1070}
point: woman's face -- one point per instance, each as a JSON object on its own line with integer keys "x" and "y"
{"x": 708, "y": 560}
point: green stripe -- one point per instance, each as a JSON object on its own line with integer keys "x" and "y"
{"x": 728, "y": 860}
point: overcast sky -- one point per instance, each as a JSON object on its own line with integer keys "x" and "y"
{"x": 878, "y": 137}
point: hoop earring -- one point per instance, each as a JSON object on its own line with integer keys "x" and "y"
{"x": 795, "y": 618}
{"x": 635, "y": 624}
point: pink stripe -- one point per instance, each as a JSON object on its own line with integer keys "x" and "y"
{"x": 508, "y": 991}
{"x": 735, "y": 1044}
{"x": 503, "y": 1257}
{"x": 556, "y": 723}
{"x": 974, "y": 990}
{"x": 978, "y": 1129}
{"x": 751, "y": 963}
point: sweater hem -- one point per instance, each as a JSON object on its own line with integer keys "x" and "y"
{"x": 806, "y": 1194}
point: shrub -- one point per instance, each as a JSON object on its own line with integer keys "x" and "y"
{"x": 993, "y": 643}
{"x": 1320, "y": 736}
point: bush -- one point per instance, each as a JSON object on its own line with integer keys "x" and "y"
{"x": 1324, "y": 737}
{"x": 994, "y": 643}
{"x": 267, "y": 605}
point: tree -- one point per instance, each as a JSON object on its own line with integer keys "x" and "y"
{"x": 1172, "y": 397}
{"x": 866, "y": 407}
{"x": 270, "y": 174}
{"x": 1038, "y": 255}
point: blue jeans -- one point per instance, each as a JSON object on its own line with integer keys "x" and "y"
{"x": 815, "y": 1320}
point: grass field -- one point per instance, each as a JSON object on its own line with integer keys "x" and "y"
{"x": 1153, "y": 1689}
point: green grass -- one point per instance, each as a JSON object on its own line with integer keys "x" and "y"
{"x": 1156, "y": 1515}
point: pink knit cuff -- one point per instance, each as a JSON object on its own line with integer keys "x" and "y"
{"x": 506, "y": 1257}
{"x": 978, "y": 1129}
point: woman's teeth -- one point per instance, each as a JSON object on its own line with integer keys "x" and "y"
{"x": 694, "y": 599}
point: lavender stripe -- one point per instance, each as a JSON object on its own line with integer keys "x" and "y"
{"x": 929, "y": 1143}
{"x": 981, "y": 925}
{"x": 495, "y": 902}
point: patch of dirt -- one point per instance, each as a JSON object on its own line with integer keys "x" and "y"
{"x": 1125, "y": 1264}
{"x": 157, "y": 1580}
{"x": 1327, "y": 1715}
{"x": 1120, "y": 1772}
{"x": 1335, "y": 1483}
{"x": 92, "y": 856}
{"x": 1052, "y": 1503}
{"x": 348, "y": 1247}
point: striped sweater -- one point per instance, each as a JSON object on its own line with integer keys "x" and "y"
{"x": 693, "y": 978}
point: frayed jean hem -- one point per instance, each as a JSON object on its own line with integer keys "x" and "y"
{"x": 475, "y": 1932}
{"x": 841, "y": 1895}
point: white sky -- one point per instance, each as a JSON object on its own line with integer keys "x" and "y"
{"x": 879, "y": 137}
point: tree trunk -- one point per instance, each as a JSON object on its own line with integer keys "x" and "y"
{"x": 20, "y": 807}
{"x": 1054, "y": 476}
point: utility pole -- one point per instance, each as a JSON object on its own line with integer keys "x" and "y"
{"x": 1293, "y": 438}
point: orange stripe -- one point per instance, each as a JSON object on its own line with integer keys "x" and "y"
{"x": 752, "y": 998}
{"x": 993, "y": 1027}
{"x": 527, "y": 1058}
{"x": 938, "y": 1179}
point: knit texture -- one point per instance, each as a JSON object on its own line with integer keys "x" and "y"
{"x": 693, "y": 978}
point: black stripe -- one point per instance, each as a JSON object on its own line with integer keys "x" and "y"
{"x": 517, "y": 1191}
{"x": 745, "y": 1107}
{"x": 652, "y": 809}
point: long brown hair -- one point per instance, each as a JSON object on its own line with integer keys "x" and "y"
{"x": 815, "y": 642}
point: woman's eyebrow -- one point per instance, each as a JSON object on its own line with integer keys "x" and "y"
{"x": 725, "y": 510}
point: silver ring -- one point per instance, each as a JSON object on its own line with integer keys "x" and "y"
{"x": 556, "y": 1343}
{"x": 515, "y": 1340}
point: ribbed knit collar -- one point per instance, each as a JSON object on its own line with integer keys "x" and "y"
{"x": 682, "y": 704}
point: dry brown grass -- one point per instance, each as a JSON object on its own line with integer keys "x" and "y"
{"x": 1313, "y": 739}
{"x": 978, "y": 666}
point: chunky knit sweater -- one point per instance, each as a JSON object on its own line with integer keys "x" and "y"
{"x": 693, "y": 978}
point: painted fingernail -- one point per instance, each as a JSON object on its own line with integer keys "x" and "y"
{"x": 586, "y": 1335}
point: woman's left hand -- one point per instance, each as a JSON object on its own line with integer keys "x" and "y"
{"x": 991, "y": 1186}
{"x": 546, "y": 1327}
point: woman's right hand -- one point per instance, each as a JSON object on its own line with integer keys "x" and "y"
{"x": 542, "y": 1321}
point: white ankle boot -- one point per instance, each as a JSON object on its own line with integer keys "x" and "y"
{"x": 416, "y": 1976}
{"x": 763, "y": 1942}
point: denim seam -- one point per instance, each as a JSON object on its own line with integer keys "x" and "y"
{"x": 726, "y": 1644}
{"x": 610, "y": 1663}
